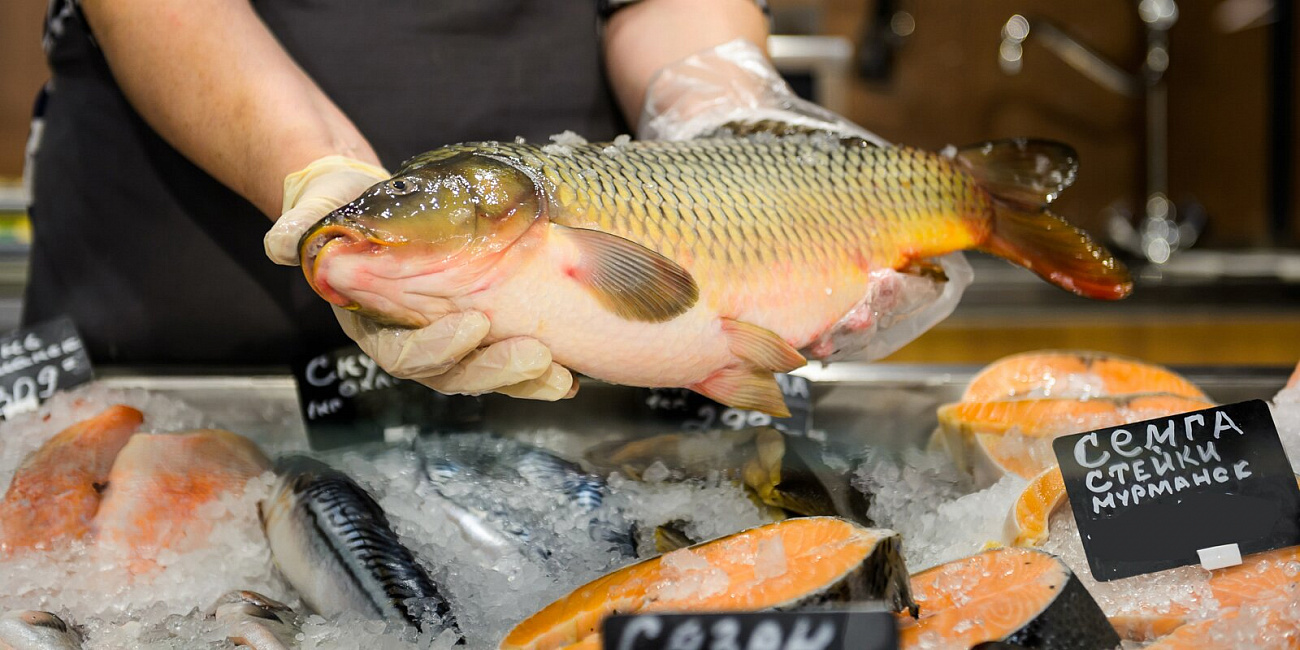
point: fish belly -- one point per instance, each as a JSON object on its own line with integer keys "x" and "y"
{"x": 536, "y": 299}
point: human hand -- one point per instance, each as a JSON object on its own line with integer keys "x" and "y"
{"x": 312, "y": 193}
{"x": 445, "y": 355}
{"x": 448, "y": 356}
{"x": 733, "y": 82}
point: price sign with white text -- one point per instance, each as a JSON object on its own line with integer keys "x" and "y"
{"x": 38, "y": 361}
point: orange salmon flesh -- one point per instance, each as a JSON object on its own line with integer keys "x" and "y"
{"x": 1069, "y": 373}
{"x": 1019, "y": 596}
{"x": 55, "y": 493}
{"x": 773, "y": 566}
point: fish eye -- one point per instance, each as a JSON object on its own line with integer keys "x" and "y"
{"x": 402, "y": 186}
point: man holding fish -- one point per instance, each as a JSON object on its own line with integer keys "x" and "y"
{"x": 205, "y": 106}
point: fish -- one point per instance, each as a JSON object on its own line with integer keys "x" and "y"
{"x": 332, "y": 541}
{"x": 708, "y": 264}
{"x": 1258, "y": 626}
{"x": 56, "y": 492}
{"x": 789, "y": 564}
{"x": 255, "y": 621}
{"x": 33, "y": 630}
{"x": 1262, "y": 580}
{"x": 1078, "y": 374}
{"x": 1008, "y": 598}
{"x": 157, "y": 485}
{"x": 991, "y": 439}
{"x": 494, "y": 464}
{"x": 779, "y": 470}
{"x": 1027, "y": 523}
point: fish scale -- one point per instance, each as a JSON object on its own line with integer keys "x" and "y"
{"x": 785, "y": 199}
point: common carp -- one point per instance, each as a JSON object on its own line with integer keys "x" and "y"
{"x": 707, "y": 264}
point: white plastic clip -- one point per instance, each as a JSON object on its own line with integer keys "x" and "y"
{"x": 1220, "y": 557}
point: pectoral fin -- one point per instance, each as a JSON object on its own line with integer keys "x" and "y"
{"x": 629, "y": 279}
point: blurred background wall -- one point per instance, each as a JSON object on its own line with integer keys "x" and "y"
{"x": 22, "y": 71}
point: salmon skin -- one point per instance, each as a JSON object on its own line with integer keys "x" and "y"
{"x": 56, "y": 492}
{"x": 708, "y": 264}
{"x": 333, "y": 543}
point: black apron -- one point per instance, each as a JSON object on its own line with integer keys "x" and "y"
{"x": 158, "y": 263}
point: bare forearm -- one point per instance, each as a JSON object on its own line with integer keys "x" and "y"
{"x": 643, "y": 38}
{"x": 211, "y": 79}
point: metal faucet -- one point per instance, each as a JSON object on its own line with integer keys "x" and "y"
{"x": 1161, "y": 232}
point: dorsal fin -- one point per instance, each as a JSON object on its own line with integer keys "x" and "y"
{"x": 1023, "y": 171}
{"x": 743, "y": 129}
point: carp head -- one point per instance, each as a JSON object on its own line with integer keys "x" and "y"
{"x": 398, "y": 252}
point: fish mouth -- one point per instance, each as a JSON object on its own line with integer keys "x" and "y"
{"x": 314, "y": 248}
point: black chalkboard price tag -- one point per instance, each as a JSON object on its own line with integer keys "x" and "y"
{"x": 690, "y": 411}
{"x": 38, "y": 361}
{"x": 347, "y": 399}
{"x": 813, "y": 630}
{"x": 1151, "y": 495}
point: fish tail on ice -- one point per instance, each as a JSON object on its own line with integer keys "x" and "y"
{"x": 1022, "y": 177}
{"x": 749, "y": 383}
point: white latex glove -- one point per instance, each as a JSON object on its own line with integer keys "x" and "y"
{"x": 445, "y": 355}
{"x": 312, "y": 193}
{"x": 735, "y": 82}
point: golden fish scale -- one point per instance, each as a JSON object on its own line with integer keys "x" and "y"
{"x": 756, "y": 218}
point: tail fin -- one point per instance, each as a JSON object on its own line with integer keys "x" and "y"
{"x": 1023, "y": 176}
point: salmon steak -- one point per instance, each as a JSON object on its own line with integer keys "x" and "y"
{"x": 783, "y": 565}
{"x": 1007, "y": 597}
{"x": 992, "y": 439}
{"x": 1074, "y": 374}
{"x": 708, "y": 264}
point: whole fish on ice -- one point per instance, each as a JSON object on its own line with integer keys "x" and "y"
{"x": 333, "y": 543}
{"x": 707, "y": 264}
{"x": 255, "y": 621}
{"x": 31, "y": 630}
{"x": 564, "y": 493}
